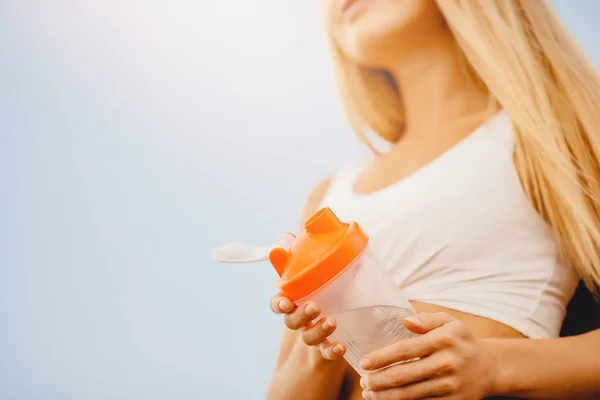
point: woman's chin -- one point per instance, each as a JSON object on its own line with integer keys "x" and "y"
{"x": 366, "y": 48}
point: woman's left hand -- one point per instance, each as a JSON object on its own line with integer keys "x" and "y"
{"x": 452, "y": 363}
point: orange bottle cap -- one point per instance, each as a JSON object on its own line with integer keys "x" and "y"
{"x": 325, "y": 248}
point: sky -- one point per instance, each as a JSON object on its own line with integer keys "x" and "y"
{"x": 135, "y": 136}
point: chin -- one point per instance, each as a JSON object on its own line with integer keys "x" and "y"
{"x": 376, "y": 31}
{"x": 372, "y": 47}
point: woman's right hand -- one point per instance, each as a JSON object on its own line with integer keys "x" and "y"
{"x": 313, "y": 334}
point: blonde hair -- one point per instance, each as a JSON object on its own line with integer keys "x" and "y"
{"x": 535, "y": 71}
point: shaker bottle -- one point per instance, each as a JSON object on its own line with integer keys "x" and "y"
{"x": 331, "y": 264}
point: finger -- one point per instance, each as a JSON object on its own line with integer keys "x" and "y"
{"x": 421, "y": 390}
{"x": 301, "y": 316}
{"x": 403, "y": 350}
{"x": 281, "y": 305}
{"x": 332, "y": 351}
{"x": 405, "y": 374}
{"x": 318, "y": 332}
{"x": 425, "y": 322}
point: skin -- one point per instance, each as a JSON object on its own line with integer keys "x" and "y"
{"x": 564, "y": 368}
{"x": 410, "y": 40}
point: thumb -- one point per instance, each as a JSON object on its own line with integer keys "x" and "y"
{"x": 425, "y": 322}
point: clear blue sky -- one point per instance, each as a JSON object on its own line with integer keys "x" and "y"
{"x": 134, "y": 137}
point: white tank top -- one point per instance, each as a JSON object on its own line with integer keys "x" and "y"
{"x": 460, "y": 233}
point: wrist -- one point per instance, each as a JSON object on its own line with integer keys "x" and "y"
{"x": 312, "y": 357}
{"x": 499, "y": 369}
{"x": 315, "y": 357}
{"x": 306, "y": 364}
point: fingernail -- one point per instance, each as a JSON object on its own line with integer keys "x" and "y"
{"x": 311, "y": 310}
{"x": 284, "y": 305}
{"x": 365, "y": 364}
{"x": 366, "y": 395}
{"x": 415, "y": 320}
{"x": 328, "y": 324}
{"x": 363, "y": 384}
{"x": 338, "y": 349}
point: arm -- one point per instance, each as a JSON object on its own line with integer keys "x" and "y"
{"x": 565, "y": 368}
{"x": 304, "y": 374}
{"x": 301, "y": 372}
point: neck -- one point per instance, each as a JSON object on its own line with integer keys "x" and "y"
{"x": 434, "y": 87}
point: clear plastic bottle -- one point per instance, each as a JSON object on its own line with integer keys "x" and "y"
{"x": 331, "y": 264}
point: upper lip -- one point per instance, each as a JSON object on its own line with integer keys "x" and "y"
{"x": 346, "y": 4}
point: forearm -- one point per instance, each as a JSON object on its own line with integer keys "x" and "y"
{"x": 306, "y": 375}
{"x": 566, "y": 368}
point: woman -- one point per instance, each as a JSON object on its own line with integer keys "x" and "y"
{"x": 484, "y": 206}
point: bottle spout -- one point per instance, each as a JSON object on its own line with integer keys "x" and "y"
{"x": 323, "y": 221}
{"x": 246, "y": 253}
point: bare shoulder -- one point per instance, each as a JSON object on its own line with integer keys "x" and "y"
{"x": 315, "y": 197}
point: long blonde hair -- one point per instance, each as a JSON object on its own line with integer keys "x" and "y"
{"x": 535, "y": 71}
